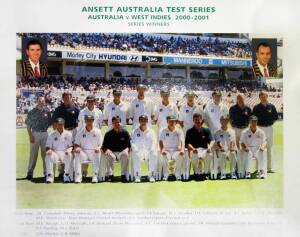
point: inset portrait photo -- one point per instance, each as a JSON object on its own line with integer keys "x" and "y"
{"x": 264, "y": 56}
{"x": 34, "y": 58}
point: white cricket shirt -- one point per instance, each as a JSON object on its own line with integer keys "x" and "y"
{"x": 59, "y": 142}
{"x": 141, "y": 107}
{"x": 212, "y": 115}
{"x": 172, "y": 139}
{"x": 89, "y": 140}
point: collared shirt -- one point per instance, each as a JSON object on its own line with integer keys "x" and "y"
{"x": 163, "y": 111}
{"x": 262, "y": 68}
{"x": 266, "y": 114}
{"x": 172, "y": 140}
{"x": 144, "y": 140}
{"x": 89, "y": 140}
{"x": 212, "y": 115}
{"x": 186, "y": 115}
{"x": 59, "y": 141}
{"x": 225, "y": 137}
{"x": 251, "y": 139}
{"x": 69, "y": 113}
{"x": 198, "y": 137}
{"x": 98, "y": 117}
{"x": 112, "y": 110}
{"x": 116, "y": 142}
{"x": 141, "y": 107}
{"x": 38, "y": 120}
{"x": 35, "y": 65}
{"x": 239, "y": 116}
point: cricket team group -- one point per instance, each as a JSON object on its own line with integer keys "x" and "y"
{"x": 189, "y": 140}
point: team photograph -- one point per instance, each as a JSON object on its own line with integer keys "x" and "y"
{"x": 149, "y": 120}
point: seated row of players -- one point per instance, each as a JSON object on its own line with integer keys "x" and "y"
{"x": 172, "y": 157}
{"x": 38, "y": 120}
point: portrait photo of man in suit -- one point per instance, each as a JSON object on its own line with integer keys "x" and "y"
{"x": 32, "y": 67}
{"x": 262, "y": 66}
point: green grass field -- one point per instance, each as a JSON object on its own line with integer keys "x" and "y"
{"x": 208, "y": 194}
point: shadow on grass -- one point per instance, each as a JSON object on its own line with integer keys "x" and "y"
{"x": 117, "y": 179}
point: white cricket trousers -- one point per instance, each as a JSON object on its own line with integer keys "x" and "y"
{"x": 238, "y": 132}
{"x": 123, "y": 157}
{"x": 201, "y": 161}
{"x": 139, "y": 155}
{"x": 171, "y": 163}
{"x": 220, "y": 162}
{"x": 254, "y": 152}
{"x": 270, "y": 141}
{"x": 59, "y": 157}
{"x": 186, "y": 165}
{"x": 60, "y": 166}
{"x": 85, "y": 157}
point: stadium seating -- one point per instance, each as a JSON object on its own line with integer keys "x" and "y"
{"x": 150, "y": 43}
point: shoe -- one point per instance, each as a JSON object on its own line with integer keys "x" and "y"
{"x": 137, "y": 180}
{"x": 84, "y": 174}
{"x": 152, "y": 179}
{"x": 61, "y": 176}
{"x": 261, "y": 175}
{"x": 271, "y": 171}
{"x": 95, "y": 179}
{"x": 178, "y": 178}
{"x": 67, "y": 178}
{"x": 165, "y": 179}
{"x": 197, "y": 177}
{"x": 78, "y": 180}
{"x": 49, "y": 179}
{"x": 171, "y": 178}
{"x": 223, "y": 176}
{"x": 206, "y": 176}
{"x": 29, "y": 176}
{"x": 110, "y": 178}
{"x": 233, "y": 176}
{"x": 248, "y": 175}
{"x": 186, "y": 176}
{"x": 123, "y": 179}
{"x": 213, "y": 176}
{"x": 101, "y": 179}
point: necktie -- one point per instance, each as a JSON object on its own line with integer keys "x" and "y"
{"x": 266, "y": 72}
{"x": 36, "y": 72}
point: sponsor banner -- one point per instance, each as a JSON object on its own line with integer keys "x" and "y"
{"x": 30, "y": 93}
{"x": 101, "y": 56}
{"x": 207, "y": 61}
{"x": 54, "y": 54}
{"x": 152, "y": 59}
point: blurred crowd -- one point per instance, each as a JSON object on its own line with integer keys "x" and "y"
{"x": 138, "y": 42}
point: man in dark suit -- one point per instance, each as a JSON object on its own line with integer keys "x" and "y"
{"x": 32, "y": 66}
{"x": 261, "y": 67}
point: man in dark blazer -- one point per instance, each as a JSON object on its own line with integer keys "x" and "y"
{"x": 261, "y": 67}
{"x": 32, "y": 66}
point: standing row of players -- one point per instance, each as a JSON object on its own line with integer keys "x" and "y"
{"x": 205, "y": 148}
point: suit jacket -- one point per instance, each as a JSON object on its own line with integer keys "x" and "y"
{"x": 272, "y": 70}
{"x": 28, "y": 72}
